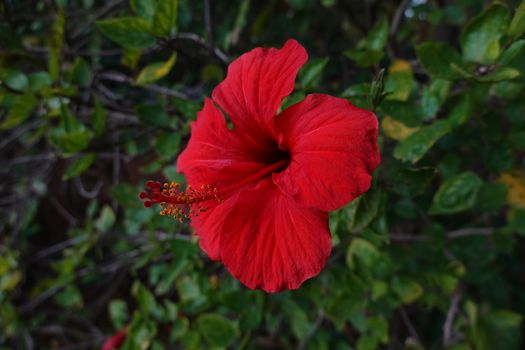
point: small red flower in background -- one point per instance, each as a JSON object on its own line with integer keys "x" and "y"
{"x": 115, "y": 340}
{"x": 261, "y": 191}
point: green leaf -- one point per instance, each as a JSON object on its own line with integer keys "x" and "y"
{"x": 39, "y": 81}
{"x": 367, "y": 342}
{"x": 80, "y": 73}
{"x": 298, "y": 319}
{"x": 434, "y": 96}
{"x": 69, "y": 297}
{"x": 517, "y": 26}
{"x": 217, "y": 330}
{"x": 130, "y": 32}
{"x": 491, "y": 197}
{"x": 165, "y": 18}
{"x": 437, "y": 59}
{"x": 16, "y": 80}
{"x": 152, "y": 115}
{"x": 167, "y": 145}
{"x": 140, "y": 333}
{"x": 144, "y": 8}
{"x": 146, "y": 300}
{"x": 311, "y": 72}
{"x": 502, "y": 74}
{"x": 502, "y": 329}
{"x": 131, "y": 57}
{"x": 118, "y": 313}
{"x": 126, "y": 195}
{"x": 461, "y": 110}
{"x": 232, "y": 38}
{"x": 512, "y": 52}
{"x": 370, "y": 50}
{"x": 99, "y": 117}
{"x": 403, "y": 112}
{"x": 155, "y": 71}
{"x": 415, "y": 146}
{"x": 516, "y": 220}
{"x": 57, "y": 41}
{"x": 412, "y": 181}
{"x": 79, "y": 165}
{"x": 9, "y": 39}
{"x": 399, "y": 81}
{"x": 363, "y": 251}
{"x": 407, "y": 290}
{"x": 106, "y": 219}
{"x": 378, "y": 36}
{"x": 456, "y": 194}
{"x": 362, "y": 211}
{"x": 9, "y": 281}
{"x": 480, "y": 39}
{"x": 379, "y": 328}
{"x": 364, "y": 58}
{"x": 69, "y": 142}
{"x": 19, "y": 111}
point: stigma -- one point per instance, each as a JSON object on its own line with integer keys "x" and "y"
{"x": 176, "y": 202}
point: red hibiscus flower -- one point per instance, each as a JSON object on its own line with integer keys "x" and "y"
{"x": 266, "y": 185}
{"x": 115, "y": 340}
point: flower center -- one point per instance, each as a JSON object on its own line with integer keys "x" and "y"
{"x": 183, "y": 204}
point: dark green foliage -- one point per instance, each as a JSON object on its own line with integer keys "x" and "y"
{"x": 98, "y": 96}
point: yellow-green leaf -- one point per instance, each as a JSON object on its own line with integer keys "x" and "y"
{"x": 515, "y": 182}
{"x": 395, "y": 129}
{"x": 399, "y": 81}
{"x": 155, "y": 71}
{"x": 481, "y": 37}
{"x": 406, "y": 289}
{"x": 517, "y": 26}
{"x": 165, "y": 18}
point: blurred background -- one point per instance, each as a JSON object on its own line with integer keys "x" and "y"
{"x": 96, "y": 97}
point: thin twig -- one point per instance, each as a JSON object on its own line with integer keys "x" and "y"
{"x": 39, "y": 299}
{"x": 471, "y": 232}
{"x": 215, "y": 51}
{"x": 466, "y": 232}
{"x": 121, "y": 78}
{"x": 409, "y": 325}
{"x": 398, "y": 16}
{"x": 20, "y": 131}
{"x": 311, "y": 332}
{"x": 69, "y": 52}
{"x": 116, "y": 165}
{"x": 63, "y": 211}
{"x": 85, "y": 193}
{"x": 449, "y": 321}
{"x": 209, "y": 23}
{"x": 31, "y": 158}
{"x": 60, "y": 246}
{"x": 97, "y": 15}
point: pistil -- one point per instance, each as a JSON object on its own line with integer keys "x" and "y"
{"x": 184, "y": 204}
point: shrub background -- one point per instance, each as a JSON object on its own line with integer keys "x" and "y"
{"x": 97, "y": 96}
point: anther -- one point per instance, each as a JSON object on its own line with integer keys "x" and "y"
{"x": 176, "y": 203}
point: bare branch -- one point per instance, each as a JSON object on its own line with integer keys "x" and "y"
{"x": 466, "y": 232}
{"x": 311, "y": 333}
{"x": 398, "y": 16}
{"x": 449, "y": 321}
{"x": 410, "y": 326}
{"x": 121, "y": 78}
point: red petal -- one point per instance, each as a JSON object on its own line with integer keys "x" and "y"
{"x": 272, "y": 243}
{"x": 256, "y": 84}
{"x": 114, "y": 341}
{"x": 333, "y": 151}
{"x": 209, "y": 226}
{"x": 216, "y": 156}
{"x": 215, "y": 153}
